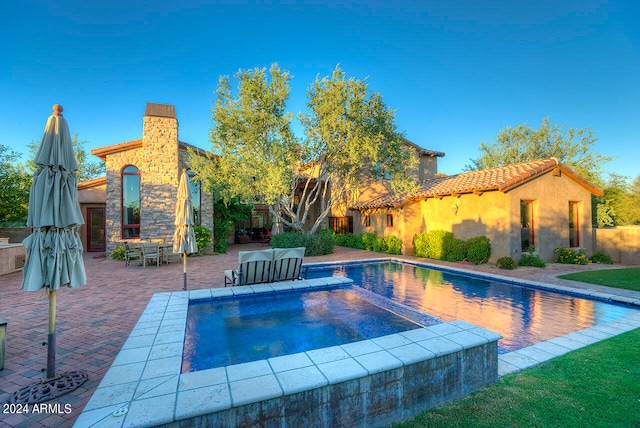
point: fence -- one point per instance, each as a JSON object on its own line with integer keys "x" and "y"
{"x": 621, "y": 243}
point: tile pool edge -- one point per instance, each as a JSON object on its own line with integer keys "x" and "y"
{"x": 144, "y": 386}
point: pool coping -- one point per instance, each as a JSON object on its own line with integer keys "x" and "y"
{"x": 145, "y": 387}
{"x": 533, "y": 355}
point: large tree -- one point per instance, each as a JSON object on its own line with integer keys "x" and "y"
{"x": 574, "y": 148}
{"x": 350, "y": 133}
{"x": 15, "y": 182}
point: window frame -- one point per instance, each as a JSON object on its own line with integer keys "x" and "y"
{"x": 532, "y": 240}
{"x": 574, "y": 217}
{"x": 389, "y": 220}
{"x": 129, "y": 226}
{"x": 339, "y": 227}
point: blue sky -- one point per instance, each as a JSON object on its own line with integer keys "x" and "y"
{"x": 456, "y": 72}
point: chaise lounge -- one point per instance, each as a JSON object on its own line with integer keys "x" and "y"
{"x": 262, "y": 266}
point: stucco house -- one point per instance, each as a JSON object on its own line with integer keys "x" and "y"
{"x": 137, "y": 198}
{"x": 541, "y": 204}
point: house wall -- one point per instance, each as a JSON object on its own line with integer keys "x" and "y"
{"x": 495, "y": 215}
{"x": 621, "y": 243}
{"x": 160, "y": 161}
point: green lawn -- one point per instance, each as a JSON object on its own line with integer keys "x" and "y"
{"x": 619, "y": 278}
{"x": 596, "y": 386}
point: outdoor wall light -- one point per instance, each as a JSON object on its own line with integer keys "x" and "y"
{"x": 454, "y": 209}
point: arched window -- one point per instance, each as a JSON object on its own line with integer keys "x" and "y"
{"x": 195, "y": 185}
{"x": 130, "y": 202}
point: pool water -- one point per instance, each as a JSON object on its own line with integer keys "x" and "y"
{"x": 230, "y": 331}
{"x": 523, "y": 316}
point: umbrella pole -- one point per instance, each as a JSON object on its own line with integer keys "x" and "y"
{"x": 184, "y": 269}
{"x": 51, "y": 342}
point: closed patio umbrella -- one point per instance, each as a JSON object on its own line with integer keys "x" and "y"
{"x": 184, "y": 238}
{"x": 54, "y": 249}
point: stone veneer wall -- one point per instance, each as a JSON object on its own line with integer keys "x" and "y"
{"x": 160, "y": 161}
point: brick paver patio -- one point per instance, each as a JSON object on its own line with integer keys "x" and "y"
{"x": 94, "y": 321}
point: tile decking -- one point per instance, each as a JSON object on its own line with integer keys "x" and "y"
{"x": 145, "y": 386}
{"x": 95, "y": 321}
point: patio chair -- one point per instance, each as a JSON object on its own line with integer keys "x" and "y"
{"x": 131, "y": 254}
{"x": 150, "y": 251}
{"x": 287, "y": 264}
{"x": 254, "y": 267}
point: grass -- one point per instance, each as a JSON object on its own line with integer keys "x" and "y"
{"x": 596, "y": 386}
{"x": 620, "y": 278}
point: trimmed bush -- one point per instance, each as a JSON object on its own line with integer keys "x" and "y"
{"x": 203, "y": 237}
{"x": 529, "y": 259}
{"x": 570, "y": 256}
{"x": 456, "y": 250}
{"x": 118, "y": 253}
{"x": 349, "y": 240}
{"x": 369, "y": 240}
{"x": 505, "y": 263}
{"x": 601, "y": 257}
{"x": 316, "y": 245}
{"x": 394, "y": 244}
{"x": 478, "y": 249}
{"x": 432, "y": 245}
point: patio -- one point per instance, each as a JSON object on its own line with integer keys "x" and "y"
{"x": 95, "y": 320}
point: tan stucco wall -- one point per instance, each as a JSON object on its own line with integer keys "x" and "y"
{"x": 621, "y": 243}
{"x": 495, "y": 215}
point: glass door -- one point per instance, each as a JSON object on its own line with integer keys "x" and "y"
{"x": 95, "y": 229}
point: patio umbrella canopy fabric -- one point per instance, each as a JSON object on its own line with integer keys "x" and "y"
{"x": 54, "y": 249}
{"x": 184, "y": 238}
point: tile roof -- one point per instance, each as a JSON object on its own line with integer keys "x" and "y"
{"x": 494, "y": 179}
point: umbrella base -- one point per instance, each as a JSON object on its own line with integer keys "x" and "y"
{"x": 49, "y": 389}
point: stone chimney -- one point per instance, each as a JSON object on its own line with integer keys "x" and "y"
{"x": 159, "y": 170}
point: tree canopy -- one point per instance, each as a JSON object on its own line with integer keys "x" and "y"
{"x": 349, "y": 133}
{"x": 15, "y": 182}
{"x": 575, "y": 148}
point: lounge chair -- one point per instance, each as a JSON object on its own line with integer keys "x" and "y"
{"x": 287, "y": 264}
{"x": 254, "y": 267}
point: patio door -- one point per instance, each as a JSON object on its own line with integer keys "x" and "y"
{"x": 95, "y": 229}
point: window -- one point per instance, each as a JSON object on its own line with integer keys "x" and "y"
{"x": 195, "y": 185}
{"x": 527, "y": 235}
{"x": 574, "y": 230}
{"x": 367, "y": 221}
{"x": 130, "y": 202}
{"x": 341, "y": 225}
{"x": 389, "y": 220}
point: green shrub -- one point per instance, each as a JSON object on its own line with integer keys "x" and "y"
{"x": 601, "y": 257}
{"x": 570, "y": 256}
{"x": 394, "y": 244}
{"x": 478, "y": 249}
{"x": 203, "y": 237}
{"x": 432, "y": 245}
{"x": 456, "y": 250}
{"x": 349, "y": 240}
{"x": 420, "y": 247}
{"x": 369, "y": 240}
{"x": 505, "y": 263}
{"x": 529, "y": 259}
{"x": 316, "y": 245}
{"x": 118, "y": 253}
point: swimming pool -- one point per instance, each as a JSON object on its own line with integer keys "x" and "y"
{"x": 522, "y": 315}
{"x": 281, "y": 323}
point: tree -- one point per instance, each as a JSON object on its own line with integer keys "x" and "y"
{"x": 87, "y": 170}
{"x": 574, "y": 148}
{"x": 349, "y": 133}
{"x": 620, "y": 201}
{"x": 15, "y": 182}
